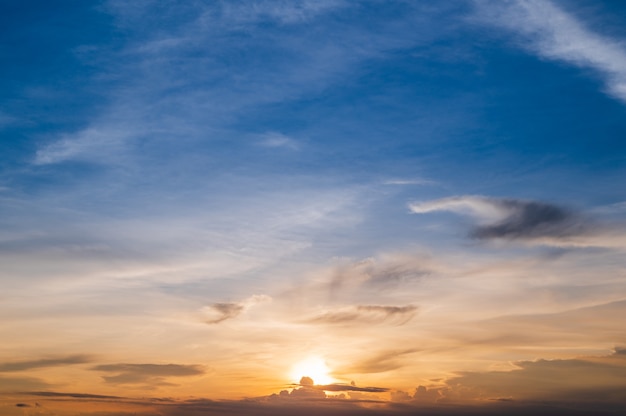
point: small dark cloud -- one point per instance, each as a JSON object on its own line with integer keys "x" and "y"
{"x": 225, "y": 311}
{"x": 511, "y": 219}
{"x": 17, "y": 366}
{"x": 154, "y": 374}
{"x": 219, "y": 312}
{"x": 306, "y": 381}
{"x": 620, "y": 350}
{"x": 398, "y": 315}
{"x": 22, "y": 405}
{"x": 531, "y": 220}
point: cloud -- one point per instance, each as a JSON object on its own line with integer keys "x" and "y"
{"x": 219, "y": 312}
{"x": 308, "y": 383}
{"x": 579, "y": 380}
{"x": 223, "y": 311}
{"x": 388, "y": 271}
{"x": 371, "y": 314}
{"x": 281, "y": 11}
{"x": 308, "y": 391}
{"x": 510, "y": 219}
{"x": 147, "y": 373}
{"x": 46, "y": 362}
{"x": 94, "y": 144}
{"x": 274, "y": 139}
{"x": 349, "y": 387}
{"x": 382, "y": 362}
{"x": 22, "y": 383}
{"x": 72, "y": 395}
{"x": 554, "y": 34}
{"x": 401, "y": 182}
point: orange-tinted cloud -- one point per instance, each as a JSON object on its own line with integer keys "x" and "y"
{"x": 154, "y": 374}
{"x": 17, "y": 366}
{"x": 397, "y": 315}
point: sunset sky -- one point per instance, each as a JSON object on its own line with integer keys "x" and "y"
{"x": 338, "y": 207}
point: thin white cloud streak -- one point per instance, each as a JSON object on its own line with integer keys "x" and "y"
{"x": 285, "y": 12}
{"x": 278, "y": 140}
{"x": 478, "y": 207}
{"x": 408, "y": 182}
{"x": 92, "y": 144}
{"x": 555, "y": 34}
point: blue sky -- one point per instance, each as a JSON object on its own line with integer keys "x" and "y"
{"x": 159, "y": 159}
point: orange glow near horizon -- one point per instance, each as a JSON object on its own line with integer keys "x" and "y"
{"x": 314, "y": 367}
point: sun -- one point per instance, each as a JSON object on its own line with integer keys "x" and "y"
{"x": 313, "y": 367}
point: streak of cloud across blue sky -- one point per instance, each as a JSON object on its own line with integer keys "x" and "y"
{"x": 424, "y": 198}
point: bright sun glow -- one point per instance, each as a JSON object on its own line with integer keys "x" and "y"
{"x": 313, "y": 367}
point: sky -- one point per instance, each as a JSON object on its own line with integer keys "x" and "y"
{"x": 355, "y": 207}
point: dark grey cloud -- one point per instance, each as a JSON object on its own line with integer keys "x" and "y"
{"x": 530, "y": 220}
{"x": 17, "y": 366}
{"x": 154, "y": 374}
{"x": 620, "y": 350}
{"x": 397, "y": 315}
{"x": 511, "y": 219}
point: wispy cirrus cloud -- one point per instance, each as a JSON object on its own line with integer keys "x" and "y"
{"x": 17, "y": 366}
{"x": 370, "y": 314}
{"x": 384, "y": 361}
{"x": 154, "y": 374}
{"x": 552, "y": 33}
